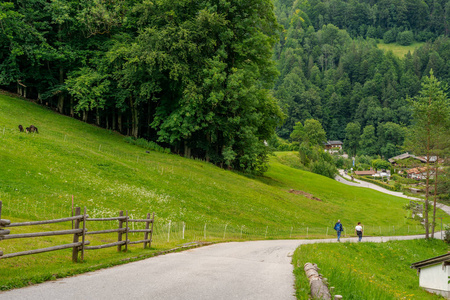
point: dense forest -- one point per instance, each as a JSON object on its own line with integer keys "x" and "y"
{"x": 331, "y": 69}
{"x": 216, "y": 79}
{"x": 195, "y": 76}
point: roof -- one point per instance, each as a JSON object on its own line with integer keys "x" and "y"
{"x": 424, "y": 158}
{"x": 404, "y": 156}
{"x": 416, "y": 170}
{"x": 334, "y": 142}
{"x": 371, "y": 172}
{"x": 431, "y": 261}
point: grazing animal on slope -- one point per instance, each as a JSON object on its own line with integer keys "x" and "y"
{"x": 33, "y": 129}
{"x": 21, "y": 128}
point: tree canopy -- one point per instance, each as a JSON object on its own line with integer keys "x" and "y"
{"x": 195, "y": 76}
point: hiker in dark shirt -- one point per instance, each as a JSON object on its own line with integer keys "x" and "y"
{"x": 339, "y": 228}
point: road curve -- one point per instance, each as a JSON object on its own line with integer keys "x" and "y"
{"x": 365, "y": 184}
{"x": 239, "y": 270}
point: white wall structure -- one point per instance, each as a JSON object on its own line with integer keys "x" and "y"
{"x": 435, "y": 279}
{"x": 434, "y": 274}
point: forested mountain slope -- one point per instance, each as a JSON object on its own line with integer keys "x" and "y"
{"x": 200, "y": 77}
{"x": 192, "y": 75}
{"x": 332, "y": 71}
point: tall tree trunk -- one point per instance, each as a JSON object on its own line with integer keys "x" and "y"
{"x": 128, "y": 125}
{"x": 187, "y": 150}
{"x": 427, "y": 184}
{"x": 119, "y": 121}
{"x": 435, "y": 195}
{"x": 113, "y": 119}
{"x": 72, "y": 113}
{"x": 97, "y": 117}
{"x": 60, "y": 106}
{"x": 149, "y": 118}
{"x": 134, "y": 118}
{"x": 85, "y": 116}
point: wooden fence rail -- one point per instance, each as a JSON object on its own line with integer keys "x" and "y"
{"x": 77, "y": 232}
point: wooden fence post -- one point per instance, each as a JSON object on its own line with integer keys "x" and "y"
{"x": 126, "y": 234}
{"x": 119, "y": 238}
{"x": 84, "y": 234}
{"x": 76, "y": 235}
{"x": 147, "y": 225}
{"x": 1, "y": 252}
{"x": 151, "y": 233}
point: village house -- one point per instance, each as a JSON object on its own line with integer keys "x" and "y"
{"x": 397, "y": 160}
{"x": 374, "y": 174}
{"x": 333, "y": 146}
{"x": 365, "y": 173}
{"x": 400, "y": 159}
{"x": 419, "y": 173}
{"x": 434, "y": 274}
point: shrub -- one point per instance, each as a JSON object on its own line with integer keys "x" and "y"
{"x": 398, "y": 186}
{"x": 405, "y": 38}
{"x": 403, "y": 180}
{"x": 377, "y": 182}
{"x": 424, "y": 36}
{"x": 324, "y": 168}
{"x": 389, "y": 36}
{"x": 447, "y": 234}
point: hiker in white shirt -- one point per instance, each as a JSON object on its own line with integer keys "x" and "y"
{"x": 359, "y": 231}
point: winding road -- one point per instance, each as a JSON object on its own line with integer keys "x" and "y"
{"x": 360, "y": 183}
{"x": 256, "y": 270}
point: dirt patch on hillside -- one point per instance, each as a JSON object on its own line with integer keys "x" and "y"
{"x": 307, "y": 195}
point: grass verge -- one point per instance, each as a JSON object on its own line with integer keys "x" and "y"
{"x": 368, "y": 271}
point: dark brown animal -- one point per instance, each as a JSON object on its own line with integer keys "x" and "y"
{"x": 33, "y": 129}
{"x": 27, "y": 129}
{"x": 21, "y": 128}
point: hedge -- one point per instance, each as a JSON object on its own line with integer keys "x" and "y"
{"x": 379, "y": 183}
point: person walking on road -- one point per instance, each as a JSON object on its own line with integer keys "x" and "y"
{"x": 339, "y": 228}
{"x": 359, "y": 231}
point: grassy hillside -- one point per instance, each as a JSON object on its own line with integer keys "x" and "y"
{"x": 40, "y": 173}
{"x": 399, "y": 50}
{"x": 368, "y": 270}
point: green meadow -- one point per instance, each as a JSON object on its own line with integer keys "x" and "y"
{"x": 399, "y": 50}
{"x": 375, "y": 271}
{"x": 41, "y": 172}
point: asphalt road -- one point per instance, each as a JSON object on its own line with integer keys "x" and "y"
{"x": 240, "y": 270}
{"x": 365, "y": 184}
{"x": 247, "y": 270}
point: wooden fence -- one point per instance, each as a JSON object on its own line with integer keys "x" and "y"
{"x": 79, "y": 231}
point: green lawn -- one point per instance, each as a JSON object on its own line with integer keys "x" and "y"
{"x": 400, "y": 50}
{"x": 40, "y": 173}
{"x": 370, "y": 271}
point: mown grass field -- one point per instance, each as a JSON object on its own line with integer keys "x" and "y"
{"x": 399, "y": 50}
{"x": 370, "y": 271}
{"x": 40, "y": 173}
